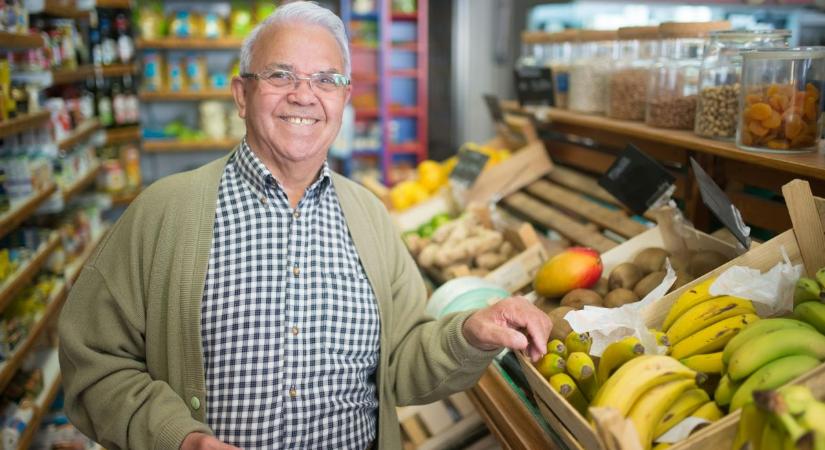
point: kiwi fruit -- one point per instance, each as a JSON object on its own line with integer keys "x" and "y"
{"x": 651, "y": 259}
{"x": 560, "y": 326}
{"x": 577, "y": 298}
{"x": 620, "y": 296}
{"x": 704, "y": 261}
{"x": 625, "y": 275}
{"x": 680, "y": 261}
{"x": 601, "y": 287}
{"x": 648, "y": 283}
{"x": 682, "y": 278}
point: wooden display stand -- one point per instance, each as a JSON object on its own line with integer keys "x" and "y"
{"x": 804, "y": 244}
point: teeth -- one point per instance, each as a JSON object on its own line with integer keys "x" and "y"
{"x": 299, "y": 120}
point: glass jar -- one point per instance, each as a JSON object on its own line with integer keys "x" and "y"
{"x": 530, "y": 48}
{"x": 563, "y": 47}
{"x": 719, "y": 80}
{"x": 674, "y": 78}
{"x": 588, "y": 73}
{"x": 633, "y": 54}
{"x": 781, "y": 100}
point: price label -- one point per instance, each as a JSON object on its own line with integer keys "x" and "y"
{"x": 534, "y": 86}
{"x": 637, "y": 180}
{"x": 494, "y": 107}
{"x": 719, "y": 203}
{"x": 469, "y": 167}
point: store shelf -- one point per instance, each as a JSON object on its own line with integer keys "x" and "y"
{"x": 73, "y": 269}
{"x": 113, "y": 4}
{"x": 116, "y": 136}
{"x": 12, "y": 365}
{"x": 406, "y": 17}
{"x": 189, "y": 44}
{"x": 20, "y": 41}
{"x": 19, "y": 279}
{"x": 404, "y": 73}
{"x": 62, "y": 8}
{"x": 125, "y": 198}
{"x": 168, "y": 96}
{"x": 81, "y": 183}
{"x": 52, "y": 380}
{"x": 406, "y": 147}
{"x": 22, "y": 123}
{"x": 174, "y": 145}
{"x": 20, "y": 212}
{"x": 404, "y": 111}
{"x": 81, "y": 133}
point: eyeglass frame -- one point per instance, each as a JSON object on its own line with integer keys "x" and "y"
{"x": 266, "y": 74}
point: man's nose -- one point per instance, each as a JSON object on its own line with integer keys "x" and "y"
{"x": 303, "y": 93}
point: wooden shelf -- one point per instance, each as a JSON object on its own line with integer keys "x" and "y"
{"x": 82, "y": 73}
{"x": 20, "y": 41}
{"x": 168, "y": 96}
{"x": 20, "y": 212}
{"x": 174, "y": 145}
{"x": 190, "y": 44}
{"x": 804, "y": 164}
{"x": 81, "y": 183}
{"x": 124, "y": 135}
{"x": 22, "y": 123}
{"x": 125, "y": 198}
{"x": 119, "y": 70}
{"x": 56, "y": 299}
{"x": 81, "y": 133}
{"x": 42, "y": 407}
{"x": 404, "y": 111}
{"x": 27, "y": 271}
{"x": 73, "y": 269}
{"x": 113, "y": 4}
{"x": 63, "y": 8}
{"x": 408, "y": 17}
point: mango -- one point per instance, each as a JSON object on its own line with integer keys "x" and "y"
{"x": 573, "y": 268}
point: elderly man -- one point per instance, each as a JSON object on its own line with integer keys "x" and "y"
{"x": 263, "y": 301}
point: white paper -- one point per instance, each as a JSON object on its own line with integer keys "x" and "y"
{"x": 771, "y": 292}
{"x": 608, "y": 325}
{"x": 681, "y": 430}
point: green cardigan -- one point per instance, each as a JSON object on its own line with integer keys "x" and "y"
{"x": 130, "y": 342}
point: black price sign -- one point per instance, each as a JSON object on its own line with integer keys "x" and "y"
{"x": 534, "y": 85}
{"x": 469, "y": 167}
{"x": 719, "y": 203}
{"x": 494, "y": 107}
{"x": 636, "y": 180}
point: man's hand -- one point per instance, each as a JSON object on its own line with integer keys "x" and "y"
{"x": 514, "y": 323}
{"x": 201, "y": 441}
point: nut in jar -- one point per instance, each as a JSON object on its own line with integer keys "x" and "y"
{"x": 781, "y": 117}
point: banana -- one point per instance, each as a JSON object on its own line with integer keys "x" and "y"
{"x": 550, "y": 364}
{"x": 772, "y": 436}
{"x": 618, "y": 353}
{"x": 777, "y": 405}
{"x": 768, "y": 347}
{"x": 820, "y": 277}
{"x": 639, "y": 375}
{"x": 761, "y": 327}
{"x": 576, "y": 342}
{"x": 689, "y": 401}
{"x": 706, "y": 314}
{"x": 749, "y": 431}
{"x": 709, "y": 411}
{"x": 662, "y": 446}
{"x": 649, "y": 409}
{"x": 566, "y": 387}
{"x": 797, "y": 398}
{"x": 705, "y": 363}
{"x": 583, "y": 371}
{"x": 772, "y": 375}
{"x": 690, "y": 298}
{"x": 712, "y": 338}
{"x": 806, "y": 290}
{"x": 814, "y": 417}
{"x": 557, "y": 346}
{"x": 725, "y": 390}
{"x": 812, "y": 313}
{"x": 661, "y": 337}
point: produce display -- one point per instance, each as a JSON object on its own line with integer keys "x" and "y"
{"x": 780, "y": 117}
{"x": 785, "y": 418}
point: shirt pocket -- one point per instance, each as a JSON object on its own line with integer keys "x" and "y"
{"x": 350, "y": 316}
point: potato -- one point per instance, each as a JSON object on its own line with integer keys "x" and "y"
{"x": 560, "y": 326}
{"x": 625, "y": 275}
{"x": 651, "y": 259}
{"x": 704, "y": 261}
{"x": 620, "y": 296}
{"x": 648, "y": 283}
{"x": 577, "y": 298}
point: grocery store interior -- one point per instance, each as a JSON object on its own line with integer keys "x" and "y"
{"x": 622, "y": 158}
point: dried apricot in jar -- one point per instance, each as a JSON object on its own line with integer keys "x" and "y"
{"x": 773, "y": 121}
{"x": 757, "y": 129}
{"x": 760, "y": 111}
{"x": 778, "y": 144}
{"x": 809, "y": 110}
{"x": 793, "y": 126}
{"x": 753, "y": 99}
{"x": 746, "y": 137}
{"x": 772, "y": 90}
{"x": 778, "y": 102}
{"x": 812, "y": 91}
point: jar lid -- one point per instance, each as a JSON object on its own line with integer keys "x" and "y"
{"x": 746, "y": 34}
{"x": 691, "y": 29}
{"x": 597, "y": 35}
{"x": 785, "y": 53}
{"x": 532, "y": 37}
{"x": 564, "y": 36}
{"x": 628, "y": 33}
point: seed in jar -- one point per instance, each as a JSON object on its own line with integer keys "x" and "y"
{"x": 716, "y": 111}
{"x": 626, "y": 90}
{"x": 672, "y": 112}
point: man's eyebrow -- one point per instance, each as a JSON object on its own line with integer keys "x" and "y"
{"x": 277, "y": 65}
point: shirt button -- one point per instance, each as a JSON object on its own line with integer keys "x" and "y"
{"x": 293, "y": 392}
{"x": 263, "y": 200}
{"x": 296, "y": 214}
{"x": 295, "y": 331}
{"x": 296, "y": 271}
{"x": 195, "y": 402}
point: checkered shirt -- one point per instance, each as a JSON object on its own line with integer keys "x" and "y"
{"x": 289, "y": 321}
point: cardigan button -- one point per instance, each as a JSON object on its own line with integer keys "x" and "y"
{"x": 196, "y": 403}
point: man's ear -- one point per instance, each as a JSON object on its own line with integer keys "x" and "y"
{"x": 238, "y": 94}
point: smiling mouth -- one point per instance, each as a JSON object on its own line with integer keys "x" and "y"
{"x": 295, "y": 120}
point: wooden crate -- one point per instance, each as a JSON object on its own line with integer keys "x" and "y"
{"x": 439, "y": 425}
{"x": 805, "y": 244}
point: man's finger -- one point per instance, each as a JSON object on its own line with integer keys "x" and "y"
{"x": 507, "y": 337}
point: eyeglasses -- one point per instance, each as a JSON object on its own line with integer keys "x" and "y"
{"x": 285, "y": 79}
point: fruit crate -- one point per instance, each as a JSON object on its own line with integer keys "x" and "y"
{"x": 438, "y": 425}
{"x": 805, "y": 244}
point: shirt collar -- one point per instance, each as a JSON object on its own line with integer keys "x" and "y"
{"x": 253, "y": 170}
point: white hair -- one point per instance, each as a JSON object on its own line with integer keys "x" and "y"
{"x": 299, "y": 12}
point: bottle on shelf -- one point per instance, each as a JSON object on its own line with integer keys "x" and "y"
{"x": 119, "y": 105}
{"x": 109, "y": 51}
{"x": 96, "y": 44}
{"x": 132, "y": 103}
{"x": 103, "y": 100}
{"x": 125, "y": 44}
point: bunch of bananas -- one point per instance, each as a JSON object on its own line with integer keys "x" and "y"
{"x": 810, "y": 289}
{"x": 699, "y": 325}
{"x": 571, "y": 372}
{"x": 787, "y": 418}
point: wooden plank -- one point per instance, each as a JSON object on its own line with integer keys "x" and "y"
{"x": 580, "y": 157}
{"x": 455, "y": 434}
{"x": 414, "y": 430}
{"x": 557, "y": 426}
{"x": 22, "y": 123}
{"x": 578, "y": 181}
{"x": 64, "y": 8}
{"x": 21, "y": 211}
{"x": 436, "y": 417}
{"x": 523, "y": 167}
{"x": 113, "y": 4}
{"x": 118, "y": 70}
{"x": 763, "y": 177}
{"x": 40, "y": 411}
{"x": 81, "y": 133}
{"x": 614, "y": 220}
{"x": 116, "y": 136}
{"x": 125, "y": 198}
{"x": 463, "y": 404}
{"x": 760, "y": 212}
{"x": 20, "y": 41}
{"x": 520, "y": 271}
{"x": 174, "y": 145}
{"x": 806, "y": 224}
{"x": 81, "y": 183}
{"x": 23, "y": 275}
{"x": 551, "y": 218}
{"x": 181, "y": 96}
{"x": 189, "y": 44}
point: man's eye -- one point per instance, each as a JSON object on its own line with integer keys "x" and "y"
{"x": 326, "y": 79}
{"x": 280, "y": 76}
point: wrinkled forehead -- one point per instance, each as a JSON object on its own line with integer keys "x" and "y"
{"x": 298, "y": 47}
